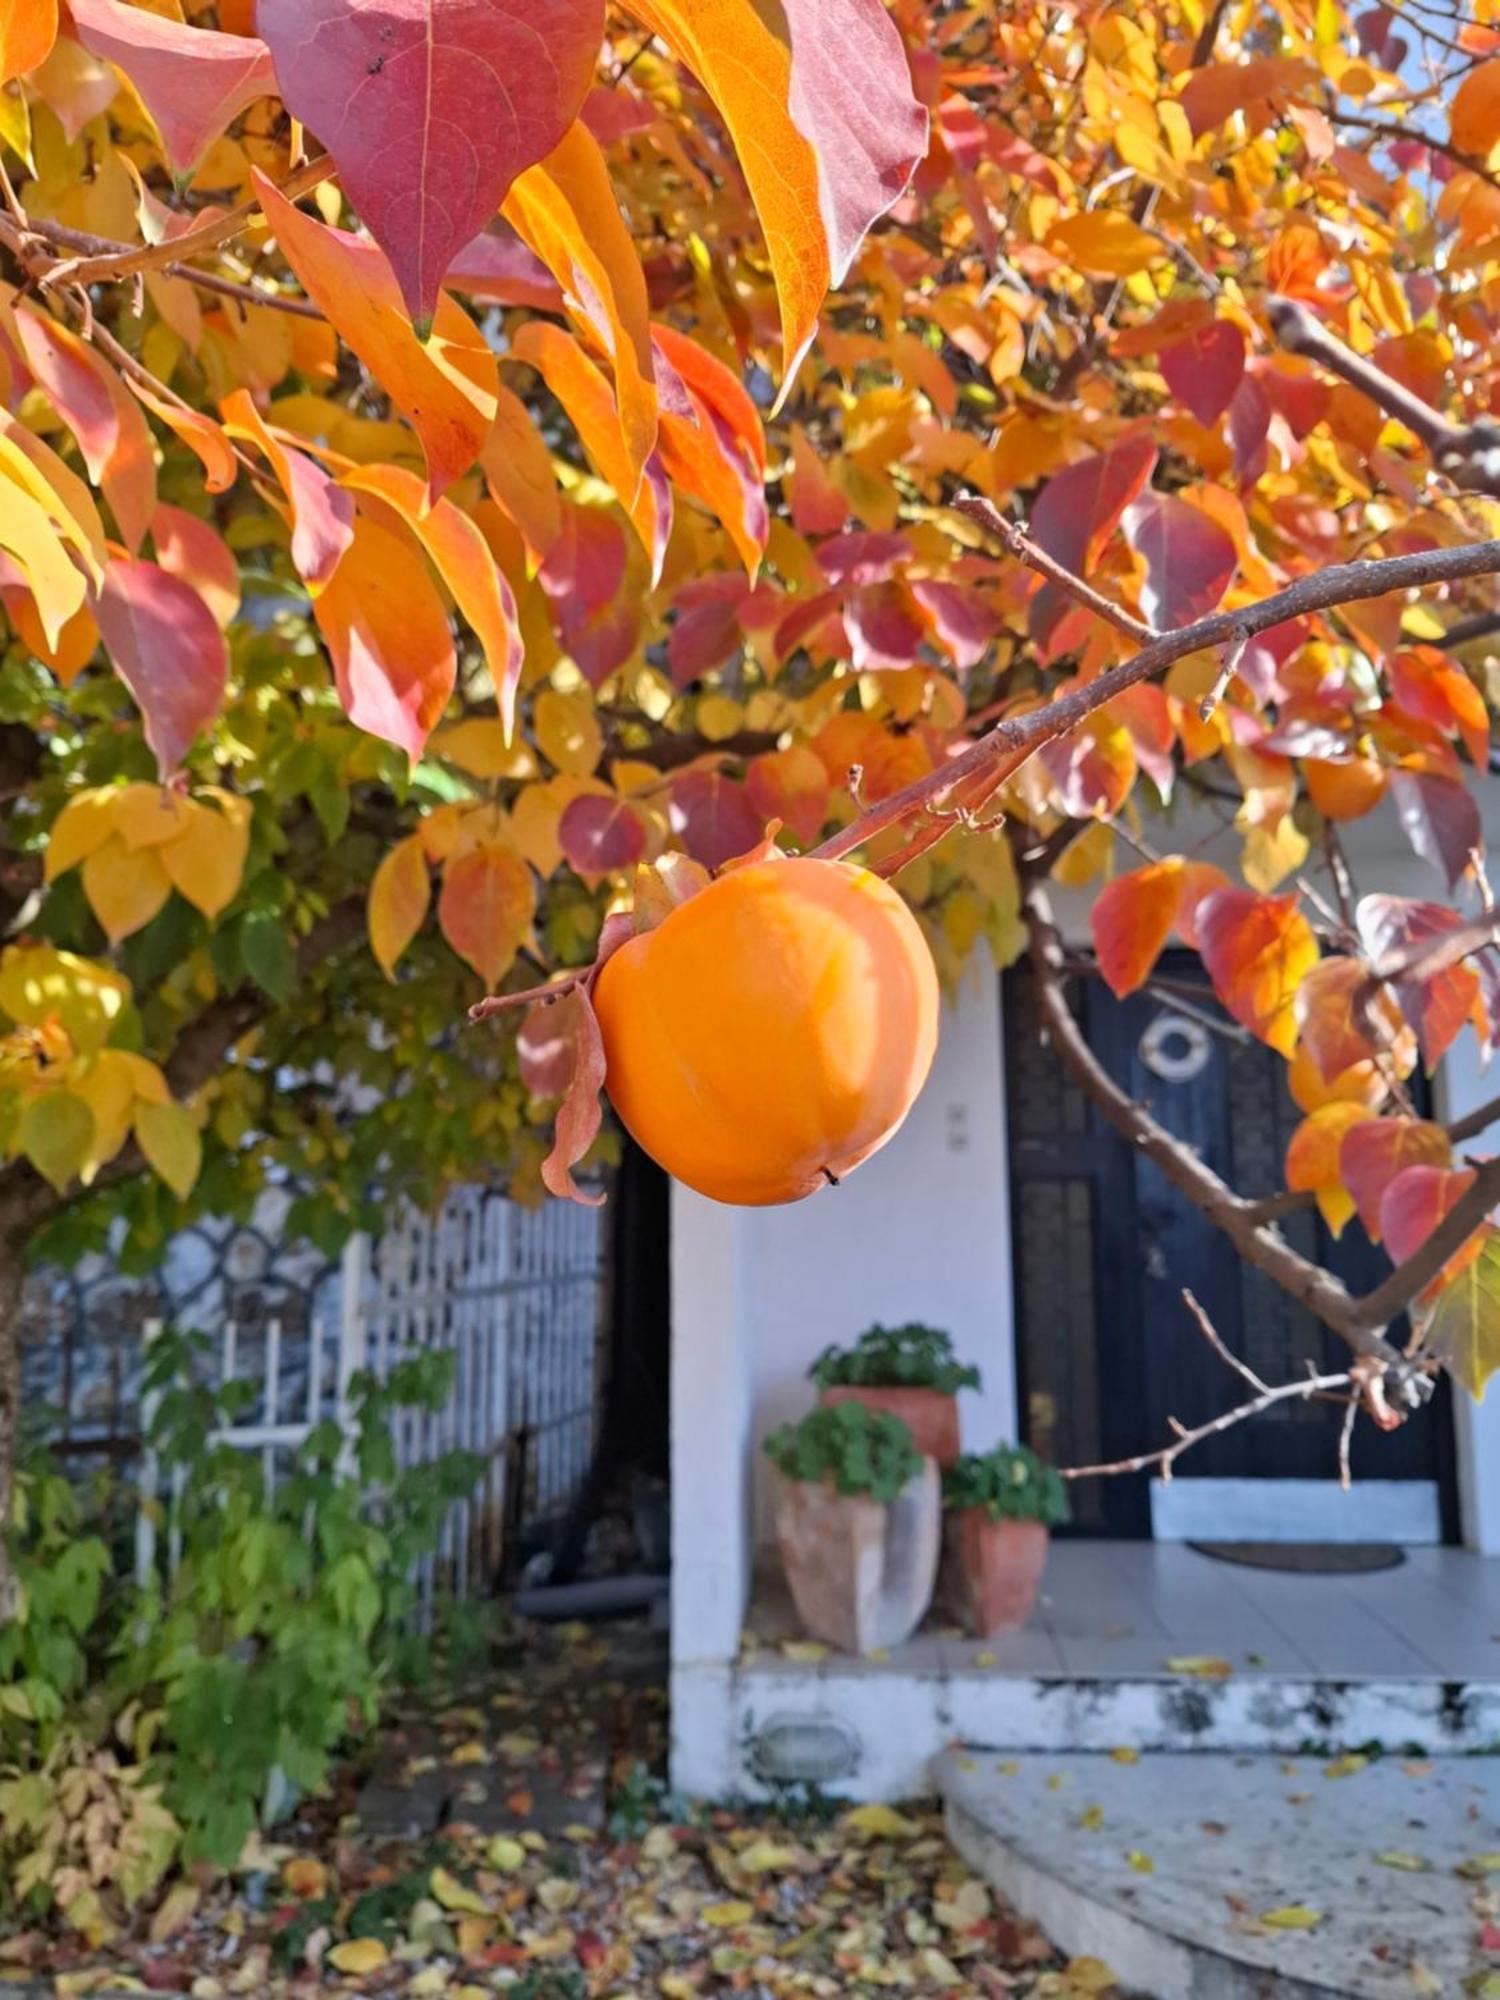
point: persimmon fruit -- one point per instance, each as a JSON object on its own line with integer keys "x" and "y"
{"x": 772, "y": 1031}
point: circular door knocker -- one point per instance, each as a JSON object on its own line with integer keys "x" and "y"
{"x": 1175, "y": 1048}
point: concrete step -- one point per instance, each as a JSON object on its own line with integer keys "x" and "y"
{"x": 1220, "y": 1877}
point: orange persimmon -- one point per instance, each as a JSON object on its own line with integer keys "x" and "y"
{"x": 772, "y": 1031}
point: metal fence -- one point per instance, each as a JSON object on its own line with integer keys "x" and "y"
{"x": 515, "y": 1295}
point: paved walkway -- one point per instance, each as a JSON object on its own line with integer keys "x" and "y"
{"x": 1215, "y": 1877}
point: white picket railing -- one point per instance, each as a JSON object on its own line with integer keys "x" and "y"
{"x": 515, "y": 1295}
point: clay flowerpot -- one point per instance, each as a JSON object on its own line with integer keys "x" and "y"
{"x": 996, "y": 1569}
{"x": 861, "y": 1571}
{"x": 929, "y": 1414}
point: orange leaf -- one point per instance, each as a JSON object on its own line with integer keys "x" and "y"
{"x": 486, "y": 908}
{"x": 565, "y": 209}
{"x": 1375, "y": 1153}
{"x": 388, "y": 637}
{"x": 847, "y": 99}
{"x": 112, "y": 435}
{"x": 167, "y": 649}
{"x": 1474, "y": 114}
{"x": 1131, "y": 920}
{"x": 711, "y": 440}
{"x": 464, "y": 562}
{"x": 189, "y": 548}
{"x": 399, "y": 897}
{"x": 199, "y": 433}
{"x": 1105, "y": 243}
{"x": 322, "y": 515}
{"x": 518, "y": 471}
{"x": 589, "y": 401}
{"x": 1312, "y": 1159}
{"x": 444, "y": 387}
{"x": 1258, "y": 950}
{"x": 28, "y": 28}
{"x": 575, "y": 1070}
{"x": 791, "y": 785}
{"x": 1341, "y": 1023}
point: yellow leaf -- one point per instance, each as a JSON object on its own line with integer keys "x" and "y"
{"x": 1202, "y": 1666}
{"x": 557, "y": 1893}
{"x": 55, "y": 1132}
{"x": 358, "y": 1955}
{"x": 725, "y": 1916}
{"x": 1125, "y": 1755}
{"x": 479, "y": 747}
{"x": 305, "y": 1876}
{"x": 1091, "y": 1819}
{"x": 125, "y": 890}
{"x": 149, "y": 815}
{"x": 1346, "y": 1766}
{"x": 452, "y": 1894}
{"x": 1090, "y": 1975}
{"x": 1474, "y": 115}
{"x": 399, "y": 898}
{"x": 1479, "y": 1865}
{"x": 1141, "y": 1863}
{"x": 1291, "y": 1917}
{"x": 84, "y": 824}
{"x": 1409, "y": 1864}
{"x": 30, "y": 534}
{"x": 505, "y": 1854}
{"x": 38, "y": 984}
{"x": 172, "y": 1143}
{"x": 106, "y": 1083}
{"x": 177, "y": 1906}
{"x": 1104, "y": 242}
{"x": 566, "y": 730}
{"x": 879, "y": 1822}
{"x": 765, "y": 1857}
{"x": 809, "y": 1651}
{"x": 206, "y": 862}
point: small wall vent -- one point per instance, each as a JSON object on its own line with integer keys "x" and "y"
{"x": 803, "y": 1750}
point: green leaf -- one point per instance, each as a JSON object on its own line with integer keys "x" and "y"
{"x": 55, "y": 1132}
{"x": 1463, "y": 1328}
{"x": 172, "y": 1144}
{"x": 267, "y": 953}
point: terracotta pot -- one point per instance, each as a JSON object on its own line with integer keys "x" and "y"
{"x": 931, "y": 1415}
{"x": 861, "y": 1571}
{"x": 996, "y": 1569}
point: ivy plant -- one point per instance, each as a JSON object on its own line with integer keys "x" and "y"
{"x": 1010, "y": 1483}
{"x": 853, "y": 1449}
{"x": 913, "y": 1356}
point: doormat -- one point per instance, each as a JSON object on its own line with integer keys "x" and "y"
{"x": 1307, "y": 1558}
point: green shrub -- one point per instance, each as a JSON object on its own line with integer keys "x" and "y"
{"x": 239, "y": 1675}
{"x": 895, "y": 1357}
{"x": 1010, "y": 1483}
{"x": 852, "y": 1448}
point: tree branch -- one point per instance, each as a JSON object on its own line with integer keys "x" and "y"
{"x": 1013, "y": 740}
{"x": 1409, "y": 1280}
{"x": 988, "y": 515}
{"x": 1264, "y": 1398}
{"x": 1468, "y": 453}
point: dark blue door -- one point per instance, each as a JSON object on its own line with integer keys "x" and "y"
{"x": 1104, "y": 1246}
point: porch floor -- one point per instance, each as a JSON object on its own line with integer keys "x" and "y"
{"x": 1123, "y": 1610}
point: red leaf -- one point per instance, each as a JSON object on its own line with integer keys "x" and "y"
{"x": 960, "y": 619}
{"x": 1189, "y": 558}
{"x": 1249, "y": 426}
{"x": 712, "y": 816}
{"x": 194, "y": 81}
{"x": 851, "y": 99}
{"x": 818, "y": 504}
{"x": 884, "y": 627}
{"x": 1427, "y": 684}
{"x": 544, "y": 1054}
{"x": 581, "y": 1114}
{"x": 167, "y": 649}
{"x": 112, "y": 435}
{"x": 1204, "y": 370}
{"x": 1131, "y": 920}
{"x": 1436, "y": 1005}
{"x": 1200, "y": 879}
{"x": 598, "y": 622}
{"x": 190, "y": 549}
{"x": 431, "y": 108}
{"x": 1079, "y": 508}
{"x": 599, "y": 836}
{"x": 1440, "y": 817}
{"x": 1415, "y": 1203}
{"x": 322, "y": 513}
{"x": 387, "y": 635}
{"x": 1258, "y": 950}
{"x": 707, "y": 631}
{"x": 1093, "y": 768}
{"x": 1335, "y": 1024}
{"x": 711, "y": 440}
{"x": 499, "y": 268}
{"x": 863, "y": 557}
{"x": 1374, "y": 1154}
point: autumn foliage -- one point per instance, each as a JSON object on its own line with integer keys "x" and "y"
{"x": 461, "y": 462}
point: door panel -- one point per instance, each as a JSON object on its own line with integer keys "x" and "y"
{"x": 1104, "y": 1246}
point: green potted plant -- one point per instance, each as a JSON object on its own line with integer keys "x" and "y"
{"x": 911, "y": 1371}
{"x": 859, "y": 1524}
{"x": 1000, "y": 1507}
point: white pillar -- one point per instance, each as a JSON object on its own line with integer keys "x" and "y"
{"x": 1461, "y": 1087}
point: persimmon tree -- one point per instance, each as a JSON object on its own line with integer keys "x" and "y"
{"x": 468, "y": 471}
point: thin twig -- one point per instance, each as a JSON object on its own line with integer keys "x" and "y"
{"x": 1234, "y": 653}
{"x": 1021, "y": 546}
{"x": 1263, "y": 1398}
{"x": 1346, "y": 1438}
